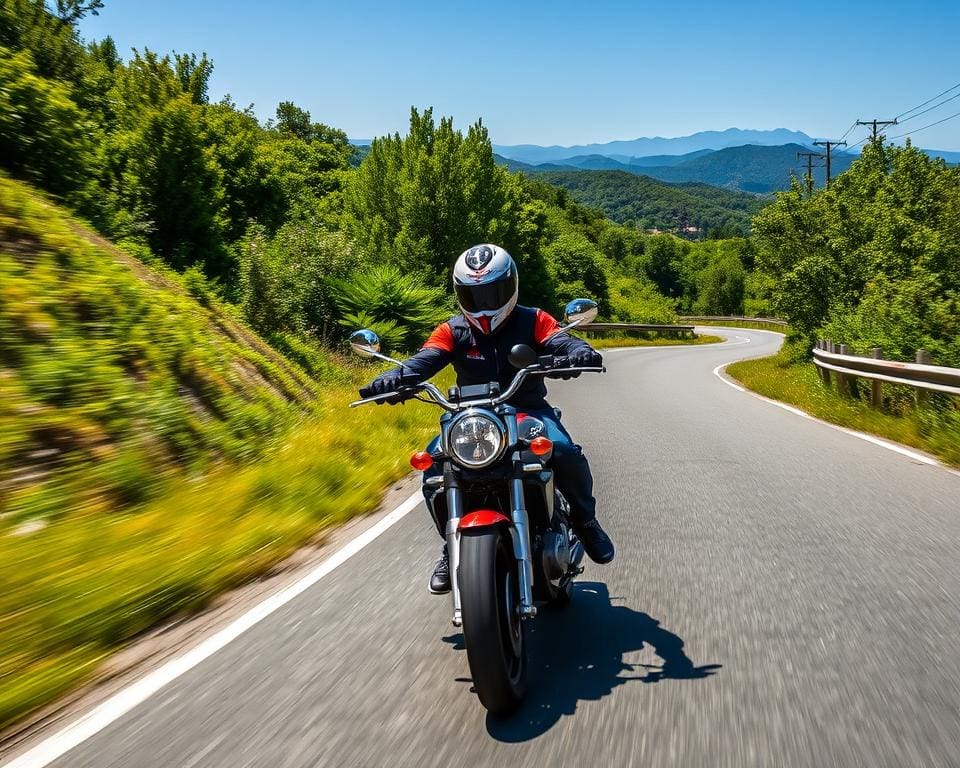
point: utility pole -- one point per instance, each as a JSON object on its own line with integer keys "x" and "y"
{"x": 809, "y": 176}
{"x": 829, "y": 145}
{"x": 874, "y": 123}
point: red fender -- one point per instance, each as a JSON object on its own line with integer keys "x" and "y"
{"x": 482, "y": 518}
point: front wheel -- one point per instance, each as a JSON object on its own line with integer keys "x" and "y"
{"x": 492, "y": 627}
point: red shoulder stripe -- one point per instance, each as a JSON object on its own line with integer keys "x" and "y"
{"x": 544, "y": 326}
{"x": 441, "y": 338}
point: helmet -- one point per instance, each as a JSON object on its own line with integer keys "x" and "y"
{"x": 486, "y": 282}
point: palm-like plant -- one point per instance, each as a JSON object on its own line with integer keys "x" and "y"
{"x": 399, "y": 307}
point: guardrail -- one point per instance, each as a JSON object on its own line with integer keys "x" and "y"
{"x": 721, "y": 318}
{"x": 628, "y": 328}
{"x": 835, "y": 359}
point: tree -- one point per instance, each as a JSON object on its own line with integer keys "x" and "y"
{"x": 420, "y": 200}
{"x": 44, "y": 136}
{"x": 170, "y": 179}
{"x": 577, "y": 268}
{"x": 662, "y": 264}
{"x": 721, "y": 287}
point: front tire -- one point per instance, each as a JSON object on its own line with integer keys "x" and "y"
{"x": 492, "y": 628}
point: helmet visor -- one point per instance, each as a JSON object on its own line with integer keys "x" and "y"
{"x": 487, "y": 297}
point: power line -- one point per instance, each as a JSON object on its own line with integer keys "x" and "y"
{"x": 898, "y": 117}
{"x": 847, "y": 132}
{"x": 917, "y": 130}
{"x": 929, "y": 109}
{"x": 829, "y": 145}
{"x": 875, "y": 123}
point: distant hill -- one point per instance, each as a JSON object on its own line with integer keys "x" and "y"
{"x": 732, "y": 137}
{"x": 750, "y": 168}
{"x": 652, "y": 161}
{"x": 951, "y": 158}
{"x": 650, "y": 203}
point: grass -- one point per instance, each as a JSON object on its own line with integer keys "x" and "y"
{"x": 608, "y": 342}
{"x": 83, "y": 587}
{"x": 159, "y": 451}
{"x": 736, "y": 323}
{"x": 114, "y": 379}
{"x": 934, "y": 429}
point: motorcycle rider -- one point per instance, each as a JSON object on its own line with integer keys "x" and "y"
{"x": 477, "y": 343}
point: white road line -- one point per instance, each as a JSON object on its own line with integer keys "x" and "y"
{"x": 119, "y": 704}
{"x": 895, "y": 447}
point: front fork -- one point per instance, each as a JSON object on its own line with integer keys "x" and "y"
{"x": 519, "y": 533}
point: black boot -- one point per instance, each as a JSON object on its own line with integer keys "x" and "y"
{"x": 595, "y": 541}
{"x": 440, "y": 579}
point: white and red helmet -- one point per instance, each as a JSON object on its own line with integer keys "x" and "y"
{"x": 486, "y": 282}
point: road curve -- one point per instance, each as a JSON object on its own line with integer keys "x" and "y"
{"x": 783, "y": 595}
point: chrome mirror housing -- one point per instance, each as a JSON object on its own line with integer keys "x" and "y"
{"x": 365, "y": 343}
{"x": 580, "y": 311}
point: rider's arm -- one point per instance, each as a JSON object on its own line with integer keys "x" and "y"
{"x": 560, "y": 344}
{"x": 434, "y": 355}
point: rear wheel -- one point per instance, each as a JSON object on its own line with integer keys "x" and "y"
{"x": 492, "y": 627}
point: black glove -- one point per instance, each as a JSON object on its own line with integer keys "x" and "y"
{"x": 389, "y": 381}
{"x": 585, "y": 357}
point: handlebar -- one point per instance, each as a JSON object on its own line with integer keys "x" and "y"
{"x": 537, "y": 369}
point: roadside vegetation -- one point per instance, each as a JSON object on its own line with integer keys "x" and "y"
{"x": 784, "y": 377}
{"x": 651, "y": 340}
{"x": 871, "y": 261}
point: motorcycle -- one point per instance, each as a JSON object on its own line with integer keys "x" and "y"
{"x": 509, "y": 539}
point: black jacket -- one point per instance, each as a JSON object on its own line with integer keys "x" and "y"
{"x": 480, "y": 359}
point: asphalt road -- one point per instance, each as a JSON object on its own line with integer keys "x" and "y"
{"x": 783, "y": 595}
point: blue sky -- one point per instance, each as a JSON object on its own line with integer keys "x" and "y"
{"x": 569, "y": 73}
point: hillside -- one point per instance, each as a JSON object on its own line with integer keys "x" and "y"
{"x": 153, "y": 451}
{"x": 651, "y": 203}
{"x": 731, "y": 137}
{"x": 114, "y": 375}
{"x": 750, "y": 168}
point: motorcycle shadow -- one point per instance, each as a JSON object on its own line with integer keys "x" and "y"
{"x": 576, "y": 654}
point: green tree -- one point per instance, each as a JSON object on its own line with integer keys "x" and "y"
{"x": 44, "y": 136}
{"x": 577, "y": 267}
{"x": 662, "y": 257}
{"x": 420, "y": 200}
{"x": 171, "y": 181}
{"x": 721, "y": 287}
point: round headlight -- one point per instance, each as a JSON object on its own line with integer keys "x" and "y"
{"x": 475, "y": 440}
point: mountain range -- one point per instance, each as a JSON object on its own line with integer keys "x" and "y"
{"x": 756, "y": 161}
{"x": 624, "y": 151}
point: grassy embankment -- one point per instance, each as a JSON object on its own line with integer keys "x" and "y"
{"x": 935, "y": 428}
{"x": 739, "y": 323}
{"x": 153, "y": 451}
{"x": 608, "y": 342}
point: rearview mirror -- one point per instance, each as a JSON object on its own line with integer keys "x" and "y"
{"x": 365, "y": 343}
{"x": 580, "y": 311}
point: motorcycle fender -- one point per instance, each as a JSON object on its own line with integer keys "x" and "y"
{"x": 481, "y": 518}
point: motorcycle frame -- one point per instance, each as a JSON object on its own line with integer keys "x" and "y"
{"x": 519, "y": 525}
{"x": 519, "y": 519}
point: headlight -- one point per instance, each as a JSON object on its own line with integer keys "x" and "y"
{"x": 475, "y": 440}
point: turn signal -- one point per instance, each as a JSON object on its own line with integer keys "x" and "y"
{"x": 541, "y": 445}
{"x": 421, "y": 461}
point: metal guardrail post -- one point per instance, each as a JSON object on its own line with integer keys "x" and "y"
{"x": 876, "y": 386}
{"x": 848, "y": 383}
{"x": 923, "y": 397}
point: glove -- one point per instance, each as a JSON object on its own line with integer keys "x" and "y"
{"x": 390, "y": 381}
{"x": 585, "y": 357}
